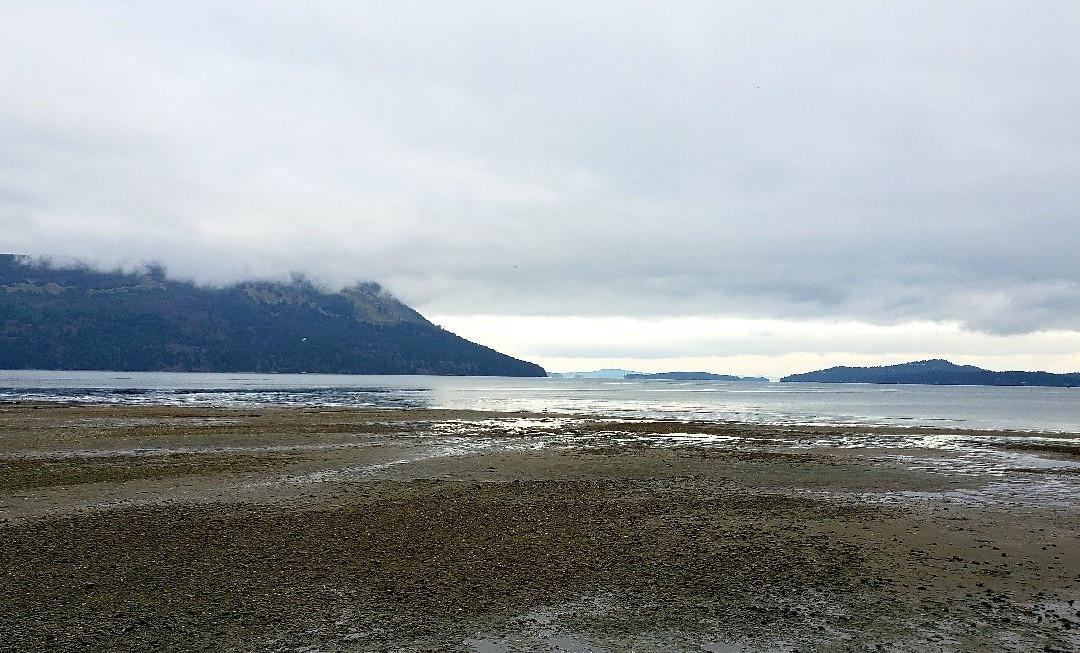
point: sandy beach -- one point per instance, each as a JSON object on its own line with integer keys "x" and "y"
{"x": 140, "y": 528}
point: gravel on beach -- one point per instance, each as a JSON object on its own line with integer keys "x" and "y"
{"x": 145, "y": 528}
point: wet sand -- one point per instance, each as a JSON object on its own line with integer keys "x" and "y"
{"x": 168, "y": 528}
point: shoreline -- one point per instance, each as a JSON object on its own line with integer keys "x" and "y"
{"x": 148, "y": 527}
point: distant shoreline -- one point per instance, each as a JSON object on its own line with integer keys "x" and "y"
{"x": 935, "y": 372}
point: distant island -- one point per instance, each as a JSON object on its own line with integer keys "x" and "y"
{"x": 935, "y": 372}
{"x": 77, "y": 318}
{"x": 697, "y": 376}
{"x": 610, "y": 373}
{"x": 596, "y": 374}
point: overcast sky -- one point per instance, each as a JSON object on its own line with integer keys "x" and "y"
{"x": 761, "y": 187}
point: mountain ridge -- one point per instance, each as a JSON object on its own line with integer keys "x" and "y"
{"x": 935, "y": 371}
{"x": 79, "y": 318}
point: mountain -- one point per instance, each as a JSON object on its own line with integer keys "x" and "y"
{"x": 78, "y": 318}
{"x": 934, "y": 372}
{"x": 697, "y": 376}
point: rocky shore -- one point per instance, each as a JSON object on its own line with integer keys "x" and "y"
{"x": 146, "y": 528}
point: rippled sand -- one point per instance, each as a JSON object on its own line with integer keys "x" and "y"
{"x": 151, "y": 528}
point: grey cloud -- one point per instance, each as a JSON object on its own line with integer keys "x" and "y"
{"x": 883, "y": 162}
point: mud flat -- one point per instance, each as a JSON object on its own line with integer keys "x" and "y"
{"x": 168, "y": 528}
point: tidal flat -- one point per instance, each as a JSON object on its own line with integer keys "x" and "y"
{"x": 145, "y": 528}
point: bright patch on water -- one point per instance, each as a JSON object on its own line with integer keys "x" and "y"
{"x": 1031, "y": 409}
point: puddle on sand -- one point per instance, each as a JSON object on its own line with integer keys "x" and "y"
{"x": 1046, "y": 491}
{"x": 993, "y": 474}
{"x": 513, "y": 426}
{"x": 543, "y": 636}
{"x": 546, "y": 631}
{"x": 443, "y": 448}
{"x": 1008, "y": 478}
{"x": 659, "y": 440}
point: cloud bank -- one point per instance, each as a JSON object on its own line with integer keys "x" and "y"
{"x": 887, "y": 163}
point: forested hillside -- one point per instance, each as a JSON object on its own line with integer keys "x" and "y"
{"x": 80, "y": 318}
{"x": 934, "y": 372}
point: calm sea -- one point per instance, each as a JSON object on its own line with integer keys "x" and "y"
{"x": 1019, "y": 408}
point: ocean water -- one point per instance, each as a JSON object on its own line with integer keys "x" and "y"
{"x": 961, "y": 407}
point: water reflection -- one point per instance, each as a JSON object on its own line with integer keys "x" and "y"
{"x": 1047, "y": 409}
